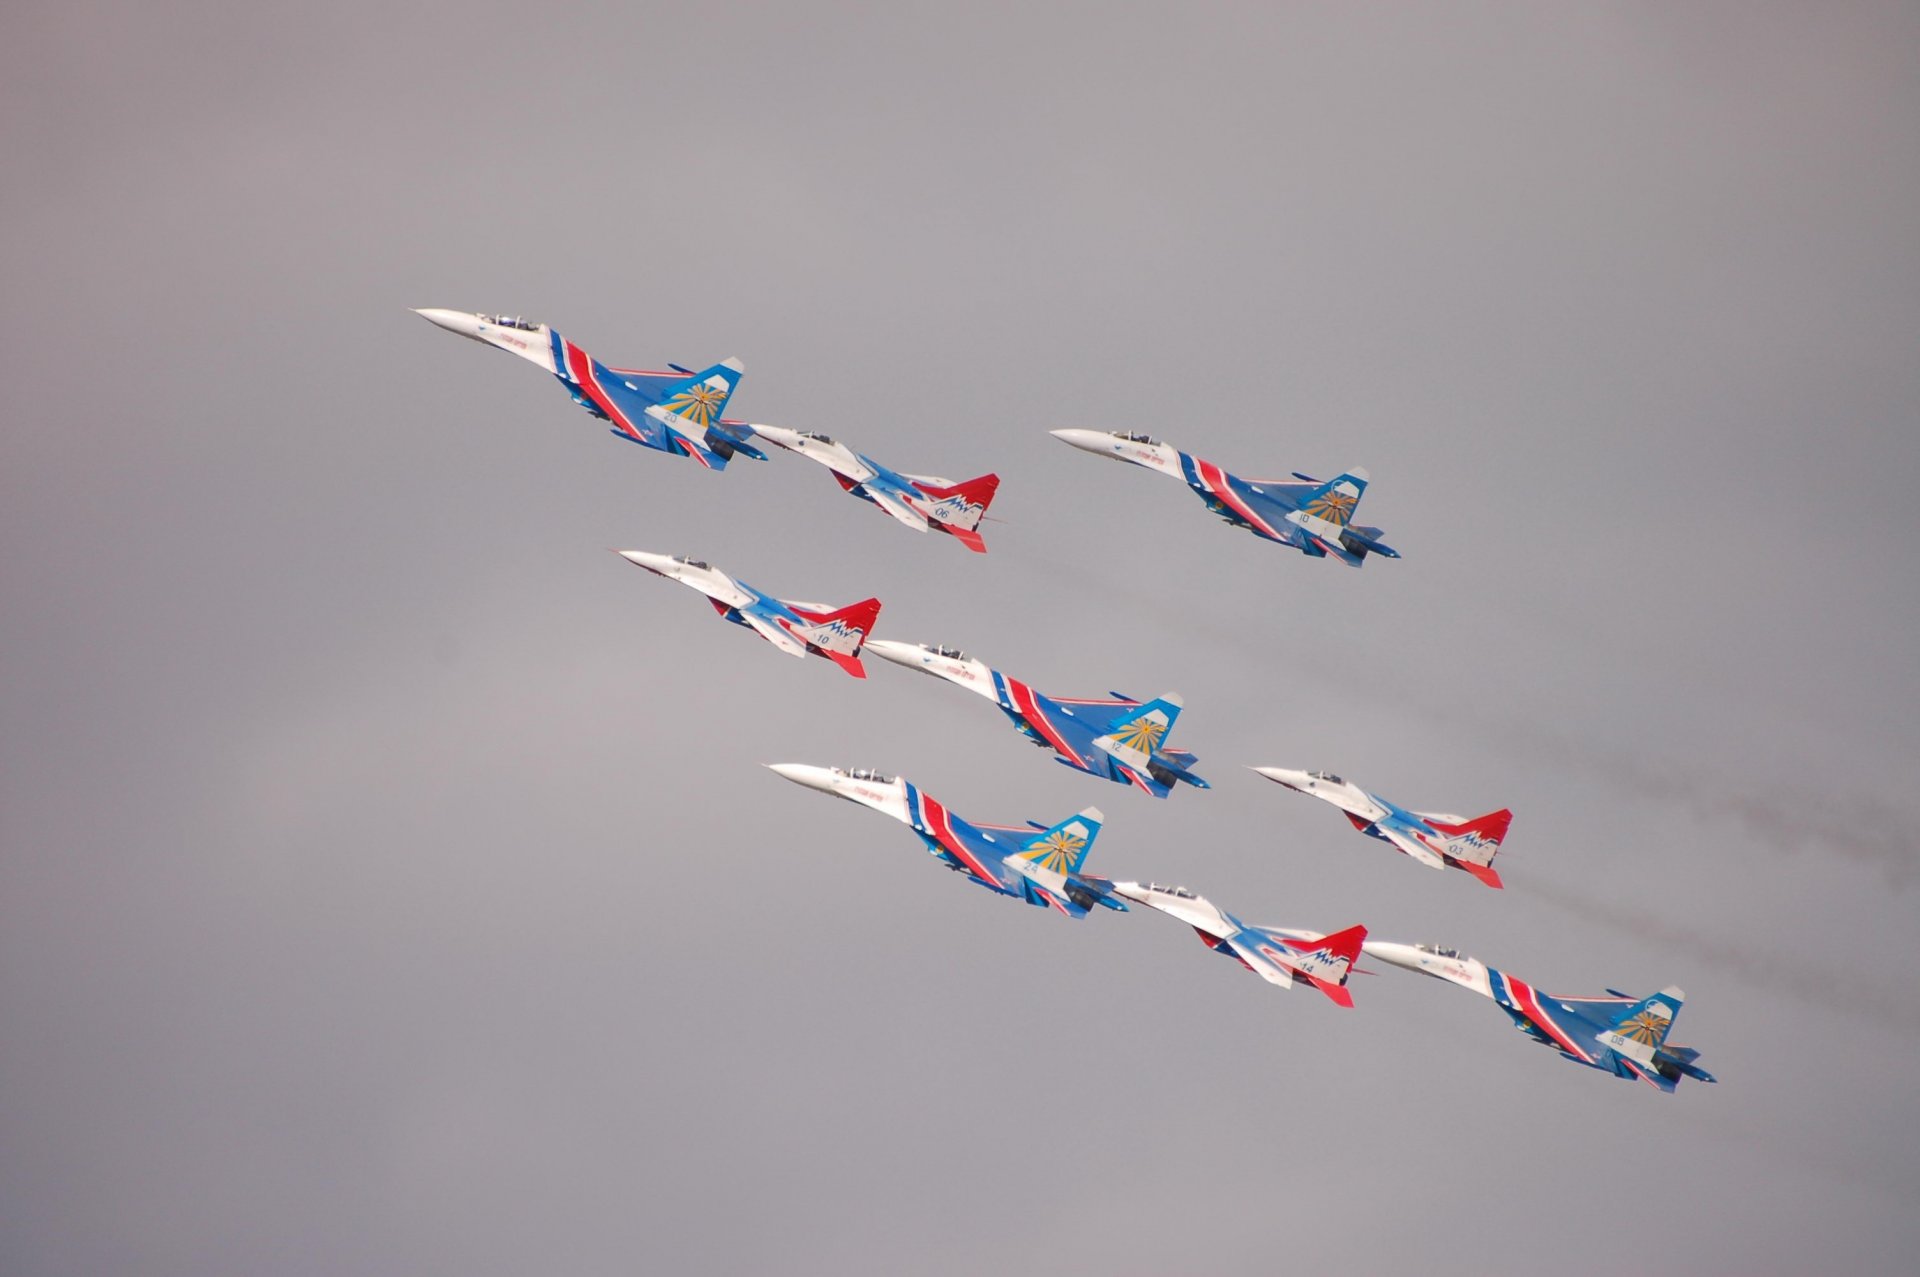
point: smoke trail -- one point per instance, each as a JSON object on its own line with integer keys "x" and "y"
{"x": 1863, "y": 830}
{"x": 1773, "y": 970}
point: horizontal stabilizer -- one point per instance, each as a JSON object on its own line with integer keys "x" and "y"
{"x": 1485, "y": 873}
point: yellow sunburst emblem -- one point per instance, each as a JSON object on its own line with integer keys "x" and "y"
{"x": 1649, "y": 1028}
{"x": 1334, "y": 506}
{"x": 698, "y": 403}
{"x": 1057, "y": 851}
{"x": 1142, "y": 734}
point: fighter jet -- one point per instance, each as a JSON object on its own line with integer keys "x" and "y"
{"x": 1303, "y": 512}
{"x": 1118, "y": 739}
{"x": 1435, "y": 839}
{"x": 1275, "y": 954}
{"x": 919, "y": 501}
{"x": 1618, "y": 1034}
{"x": 795, "y": 628}
{"x": 680, "y": 412}
{"x": 1042, "y": 868}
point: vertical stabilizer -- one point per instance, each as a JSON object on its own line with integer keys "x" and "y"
{"x": 701, "y": 399}
{"x": 1063, "y": 848}
{"x": 840, "y": 635}
{"x": 1474, "y": 842}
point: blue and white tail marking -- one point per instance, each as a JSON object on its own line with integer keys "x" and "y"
{"x": 1063, "y": 848}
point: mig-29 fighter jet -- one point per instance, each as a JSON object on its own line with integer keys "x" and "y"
{"x": 1042, "y": 868}
{"x": 1275, "y": 954}
{"x": 919, "y": 501}
{"x": 1617, "y": 1034}
{"x": 1436, "y": 840}
{"x": 1118, "y": 739}
{"x": 794, "y": 628}
{"x": 1311, "y": 516}
{"x": 680, "y": 412}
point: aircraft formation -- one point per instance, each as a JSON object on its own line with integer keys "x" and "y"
{"x": 682, "y": 412}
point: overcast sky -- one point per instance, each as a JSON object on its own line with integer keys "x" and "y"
{"x": 388, "y": 881}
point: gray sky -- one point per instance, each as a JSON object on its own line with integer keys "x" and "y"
{"x": 387, "y": 879}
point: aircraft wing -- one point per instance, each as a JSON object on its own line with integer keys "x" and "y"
{"x": 1257, "y": 957}
{"x": 898, "y": 508}
{"x": 773, "y": 633}
{"x": 1412, "y": 846}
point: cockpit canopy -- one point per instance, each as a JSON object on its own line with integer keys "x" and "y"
{"x": 814, "y": 435}
{"x": 1440, "y": 951}
{"x": 692, "y": 563}
{"x": 1329, "y": 777}
{"x": 1164, "y": 890}
{"x": 951, "y": 653}
{"x": 1135, "y": 437}
{"x": 509, "y": 321}
{"x": 867, "y": 773}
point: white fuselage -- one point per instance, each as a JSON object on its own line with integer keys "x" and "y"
{"x": 1345, "y": 795}
{"x": 710, "y": 581}
{"x": 834, "y": 455}
{"x": 1152, "y": 454}
{"x": 966, "y": 672}
{"x": 884, "y": 794}
{"x": 1442, "y": 964}
{"x": 534, "y": 344}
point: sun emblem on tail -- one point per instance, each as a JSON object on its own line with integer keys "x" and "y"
{"x": 1057, "y": 850}
{"x": 1142, "y": 734}
{"x": 1649, "y": 1028}
{"x": 1334, "y": 506}
{"x": 698, "y": 403}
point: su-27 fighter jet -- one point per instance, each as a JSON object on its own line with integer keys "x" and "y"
{"x": 794, "y": 628}
{"x": 1118, "y": 739}
{"x": 1618, "y": 1034}
{"x": 681, "y": 411}
{"x": 1435, "y": 839}
{"x": 919, "y": 501}
{"x": 1275, "y": 954}
{"x": 1042, "y": 868}
{"x": 1312, "y": 517}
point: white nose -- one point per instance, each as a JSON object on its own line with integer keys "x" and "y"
{"x": 1400, "y": 955}
{"x": 1291, "y": 779}
{"x": 897, "y": 652}
{"x": 778, "y": 434}
{"x": 812, "y": 777}
{"x": 454, "y": 321}
{"x": 1090, "y": 440}
{"x": 651, "y": 562}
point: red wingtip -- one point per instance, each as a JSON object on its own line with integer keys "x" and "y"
{"x": 972, "y": 540}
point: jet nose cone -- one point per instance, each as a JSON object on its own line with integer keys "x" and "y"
{"x": 454, "y": 321}
{"x": 1088, "y": 440}
{"x": 1400, "y": 955}
{"x": 1285, "y": 776}
{"x": 812, "y": 777}
{"x": 660, "y": 563}
{"x": 778, "y": 434}
{"x": 897, "y": 652}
